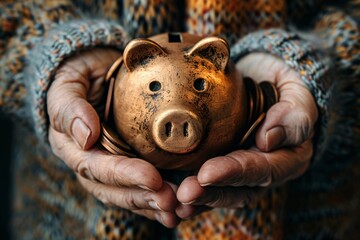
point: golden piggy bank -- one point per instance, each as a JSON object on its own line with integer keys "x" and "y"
{"x": 176, "y": 100}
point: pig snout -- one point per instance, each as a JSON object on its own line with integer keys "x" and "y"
{"x": 177, "y": 130}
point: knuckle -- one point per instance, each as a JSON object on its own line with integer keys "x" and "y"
{"x": 83, "y": 169}
{"x": 68, "y": 72}
{"x": 58, "y": 143}
{"x": 116, "y": 174}
{"x": 219, "y": 199}
{"x": 130, "y": 202}
{"x": 99, "y": 193}
{"x": 303, "y": 128}
{"x": 58, "y": 111}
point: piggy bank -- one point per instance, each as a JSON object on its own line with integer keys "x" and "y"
{"x": 176, "y": 100}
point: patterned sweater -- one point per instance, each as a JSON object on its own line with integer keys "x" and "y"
{"x": 312, "y": 36}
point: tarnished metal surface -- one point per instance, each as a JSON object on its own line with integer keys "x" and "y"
{"x": 176, "y": 100}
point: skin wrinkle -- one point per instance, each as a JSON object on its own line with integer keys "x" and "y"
{"x": 117, "y": 173}
{"x": 230, "y": 197}
{"x": 70, "y": 74}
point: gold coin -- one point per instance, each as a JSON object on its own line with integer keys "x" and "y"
{"x": 262, "y": 101}
{"x": 252, "y": 128}
{"x": 270, "y": 93}
{"x": 109, "y": 99}
{"x": 112, "y": 148}
{"x": 256, "y": 103}
{"x": 114, "y": 137}
{"x": 250, "y": 90}
{"x": 105, "y": 144}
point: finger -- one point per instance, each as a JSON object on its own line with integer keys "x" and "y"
{"x": 255, "y": 168}
{"x": 168, "y": 219}
{"x": 68, "y": 107}
{"x": 189, "y": 190}
{"x": 98, "y": 166}
{"x": 229, "y": 197}
{"x": 289, "y": 122}
{"x": 69, "y": 111}
{"x": 189, "y": 211}
{"x": 164, "y": 200}
{"x": 191, "y": 193}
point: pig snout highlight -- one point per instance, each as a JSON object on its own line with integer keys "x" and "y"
{"x": 177, "y": 130}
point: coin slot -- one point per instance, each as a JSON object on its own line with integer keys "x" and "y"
{"x": 168, "y": 128}
{"x": 200, "y": 84}
{"x": 155, "y": 86}
{"x": 186, "y": 129}
{"x": 174, "y": 37}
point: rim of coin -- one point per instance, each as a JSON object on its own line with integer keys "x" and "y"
{"x": 108, "y": 145}
{"x": 109, "y": 98}
{"x": 270, "y": 91}
{"x": 257, "y": 103}
{"x": 250, "y": 89}
{"x": 114, "y": 137}
{"x": 252, "y": 128}
{"x": 261, "y": 100}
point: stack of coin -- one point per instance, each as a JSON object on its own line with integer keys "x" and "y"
{"x": 111, "y": 141}
{"x": 260, "y": 98}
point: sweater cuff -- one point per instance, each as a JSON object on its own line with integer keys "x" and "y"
{"x": 61, "y": 42}
{"x": 295, "y": 52}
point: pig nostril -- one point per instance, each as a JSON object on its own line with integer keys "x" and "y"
{"x": 186, "y": 129}
{"x": 168, "y": 127}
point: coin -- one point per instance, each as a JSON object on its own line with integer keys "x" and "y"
{"x": 270, "y": 93}
{"x": 251, "y": 92}
{"x": 112, "y": 148}
{"x": 261, "y": 101}
{"x": 258, "y": 102}
{"x": 114, "y": 137}
{"x": 252, "y": 128}
{"x": 109, "y": 99}
{"x": 105, "y": 143}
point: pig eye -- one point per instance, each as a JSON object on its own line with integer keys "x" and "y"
{"x": 200, "y": 84}
{"x": 155, "y": 86}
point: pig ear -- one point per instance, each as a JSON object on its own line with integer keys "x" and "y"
{"x": 215, "y": 49}
{"x": 140, "y": 52}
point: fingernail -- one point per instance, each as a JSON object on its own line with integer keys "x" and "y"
{"x": 154, "y": 205}
{"x": 274, "y": 137}
{"x": 188, "y": 203}
{"x": 205, "y": 184}
{"x": 146, "y": 188}
{"x": 81, "y": 132}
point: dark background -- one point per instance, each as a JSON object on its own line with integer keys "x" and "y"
{"x": 5, "y": 176}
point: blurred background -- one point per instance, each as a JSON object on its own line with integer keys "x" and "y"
{"x": 5, "y": 177}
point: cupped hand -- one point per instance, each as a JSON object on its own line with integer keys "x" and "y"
{"x": 129, "y": 183}
{"x": 283, "y": 145}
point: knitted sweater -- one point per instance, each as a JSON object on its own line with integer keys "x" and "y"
{"x": 49, "y": 203}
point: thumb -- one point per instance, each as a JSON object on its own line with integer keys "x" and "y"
{"x": 68, "y": 108}
{"x": 291, "y": 121}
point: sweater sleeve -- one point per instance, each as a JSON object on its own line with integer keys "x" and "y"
{"x": 318, "y": 36}
{"x": 34, "y": 39}
{"x": 328, "y": 42}
{"x": 295, "y": 51}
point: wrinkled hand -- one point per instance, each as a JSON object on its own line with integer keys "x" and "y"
{"x": 132, "y": 184}
{"x": 283, "y": 145}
